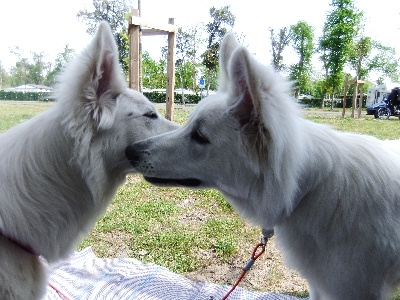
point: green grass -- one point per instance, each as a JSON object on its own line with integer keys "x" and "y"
{"x": 382, "y": 129}
{"x": 185, "y": 230}
{"x": 14, "y": 112}
{"x": 163, "y": 225}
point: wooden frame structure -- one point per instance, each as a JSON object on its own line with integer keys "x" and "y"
{"x": 139, "y": 26}
{"x": 347, "y": 84}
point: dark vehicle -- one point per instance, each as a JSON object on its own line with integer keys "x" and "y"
{"x": 388, "y": 107}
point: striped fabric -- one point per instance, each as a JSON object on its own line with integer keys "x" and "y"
{"x": 86, "y": 276}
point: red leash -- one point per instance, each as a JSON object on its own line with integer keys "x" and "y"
{"x": 58, "y": 291}
{"x": 267, "y": 233}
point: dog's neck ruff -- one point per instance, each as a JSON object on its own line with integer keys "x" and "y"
{"x": 25, "y": 247}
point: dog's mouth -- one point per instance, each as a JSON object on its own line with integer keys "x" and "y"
{"x": 187, "y": 182}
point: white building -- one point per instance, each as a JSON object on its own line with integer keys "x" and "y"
{"x": 34, "y": 88}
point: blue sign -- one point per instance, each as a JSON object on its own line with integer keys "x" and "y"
{"x": 202, "y": 83}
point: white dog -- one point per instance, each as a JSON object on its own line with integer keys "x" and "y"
{"x": 333, "y": 198}
{"x": 60, "y": 169}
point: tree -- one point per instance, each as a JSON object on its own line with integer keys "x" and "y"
{"x": 115, "y": 12}
{"x": 340, "y": 29}
{"x": 384, "y": 61}
{"x": 216, "y": 31}
{"x": 358, "y": 58}
{"x": 19, "y": 72}
{"x": 278, "y": 43}
{"x": 325, "y": 87}
{"x": 154, "y": 73}
{"x": 25, "y": 71}
{"x": 368, "y": 55}
{"x": 38, "y": 69}
{"x": 62, "y": 60}
{"x": 185, "y": 52}
{"x": 302, "y": 39}
{"x": 4, "y": 78}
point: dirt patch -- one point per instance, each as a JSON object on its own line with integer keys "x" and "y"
{"x": 192, "y": 218}
{"x": 268, "y": 274}
{"x": 114, "y": 244}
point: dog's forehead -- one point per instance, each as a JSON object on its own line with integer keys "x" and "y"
{"x": 137, "y": 99}
{"x": 211, "y": 107}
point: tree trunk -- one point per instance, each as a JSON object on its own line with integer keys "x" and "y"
{"x": 183, "y": 94}
{"x": 208, "y": 82}
{"x": 323, "y": 98}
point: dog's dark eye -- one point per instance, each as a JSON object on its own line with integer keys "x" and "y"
{"x": 199, "y": 137}
{"x": 151, "y": 115}
{"x": 114, "y": 97}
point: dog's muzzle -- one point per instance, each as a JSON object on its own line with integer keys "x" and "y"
{"x": 136, "y": 154}
{"x": 133, "y": 155}
{"x": 185, "y": 182}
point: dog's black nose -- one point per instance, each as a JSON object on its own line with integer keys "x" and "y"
{"x": 132, "y": 154}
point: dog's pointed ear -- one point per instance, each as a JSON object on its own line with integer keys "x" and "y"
{"x": 228, "y": 45}
{"x": 94, "y": 78}
{"x": 106, "y": 80}
{"x": 244, "y": 98}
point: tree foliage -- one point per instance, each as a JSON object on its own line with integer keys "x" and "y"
{"x": 278, "y": 44}
{"x": 4, "y": 77}
{"x": 61, "y": 62}
{"x": 340, "y": 29}
{"x": 185, "y": 52}
{"x": 28, "y": 70}
{"x": 384, "y": 61}
{"x": 154, "y": 73}
{"x": 216, "y": 29}
{"x": 116, "y": 13}
{"x": 358, "y": 58}
{"x": 302, "y": 37}
{"x": 342, "y": 44}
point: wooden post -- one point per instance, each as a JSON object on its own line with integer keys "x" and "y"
{"x": 170, "y": 72}
{"x": 353, "y": 104}
{"x": 356, "y": 82}
{"x": 140, "y": 73}
{"x": 134, "y": 56}
{"x": 139, "y": 26}
{"x": 360, "y": 101}
{"x": 345, "y": 96}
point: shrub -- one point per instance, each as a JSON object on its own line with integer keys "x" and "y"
{"x": 157, "y": 97}
{"x": 25, "y": 96}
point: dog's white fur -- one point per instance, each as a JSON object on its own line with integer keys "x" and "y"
{"x": 333, "y": 198}
{"x": 60, "y": 169}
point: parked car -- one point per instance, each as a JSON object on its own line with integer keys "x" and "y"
{"x": 305, "y": 96}
{"x": 390, "y": 106}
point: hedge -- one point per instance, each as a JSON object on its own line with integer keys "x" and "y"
{"x": 157, "y": 97}
{"x": 25, "y": 96}
{"x": 315, "y": 102}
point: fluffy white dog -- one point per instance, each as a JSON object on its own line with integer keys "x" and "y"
{"x": 60, "y": 169}
{"x": 333, "y": 198}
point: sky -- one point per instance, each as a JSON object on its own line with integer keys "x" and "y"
{"x": 48, "y": 25}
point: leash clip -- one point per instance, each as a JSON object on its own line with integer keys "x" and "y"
{"x": 266, "y": 235}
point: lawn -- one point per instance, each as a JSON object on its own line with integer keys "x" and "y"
{"x": 194, "y": 232}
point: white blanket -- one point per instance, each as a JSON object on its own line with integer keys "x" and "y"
{"x": 86, "y": 276}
